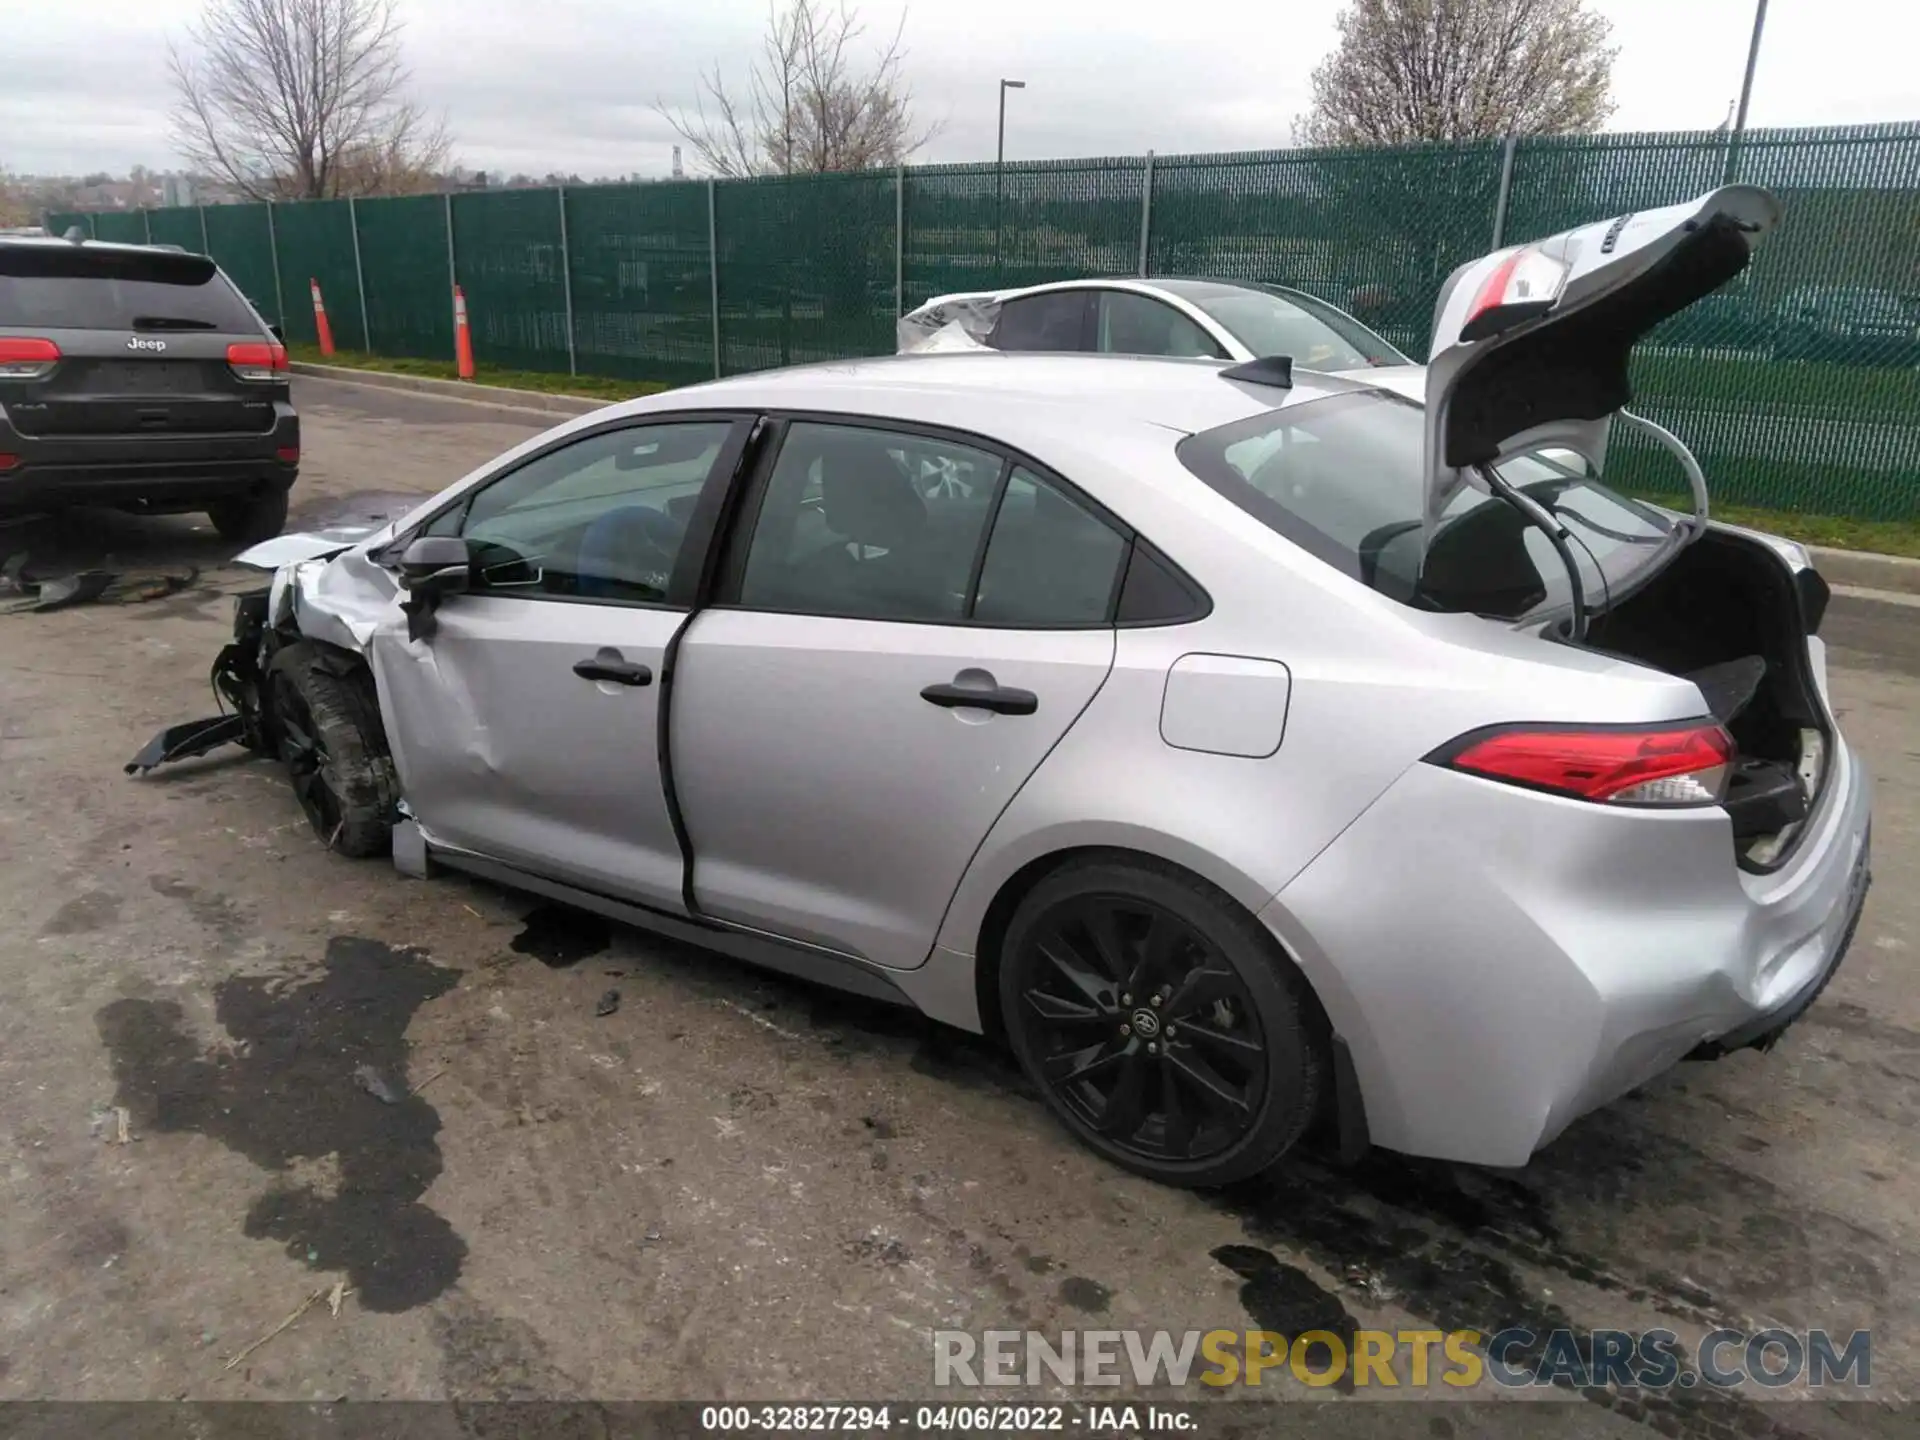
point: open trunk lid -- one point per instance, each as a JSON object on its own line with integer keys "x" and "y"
{"x": 1531, "y": 343}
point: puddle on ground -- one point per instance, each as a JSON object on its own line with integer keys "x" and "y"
{"x": 284, "y": 1093}
{"x": 559, "y": 935}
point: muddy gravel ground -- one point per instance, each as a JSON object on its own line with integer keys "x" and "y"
{"x": 735, "y": 1186}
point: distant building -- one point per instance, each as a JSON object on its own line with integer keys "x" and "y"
{"x": 177, "y": 190}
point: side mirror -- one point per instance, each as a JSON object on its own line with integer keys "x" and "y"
{"x": 436, "y": 564}
{"x": 432, "y": 567}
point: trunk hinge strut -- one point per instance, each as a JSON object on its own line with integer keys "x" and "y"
{"x": 1674, "y": 445}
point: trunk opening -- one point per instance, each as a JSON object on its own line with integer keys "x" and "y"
{"x": 1728, "y": 614}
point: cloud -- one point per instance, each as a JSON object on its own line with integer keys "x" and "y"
{"x": 539, "y": 85}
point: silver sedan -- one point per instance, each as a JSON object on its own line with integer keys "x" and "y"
{"x": 1249, "y": 746}
{"x": 1207, "y": 319}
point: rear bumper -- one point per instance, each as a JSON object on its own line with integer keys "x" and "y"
{"x": 1500, "y": 962}
{"x": 155, "y": 471}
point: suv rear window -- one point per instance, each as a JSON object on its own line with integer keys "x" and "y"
{"x": 82, "y": 288}
{"x": 1343, "y": 479}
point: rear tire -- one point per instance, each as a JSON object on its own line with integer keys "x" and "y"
{"x": 249, "y": 521}
{"x": 1160, "y": 1022}
{"x": 326, "y": 727}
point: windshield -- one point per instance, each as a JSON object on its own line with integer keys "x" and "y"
{"x": 1317, "y": 337}
{"x": 1343, "y": 479}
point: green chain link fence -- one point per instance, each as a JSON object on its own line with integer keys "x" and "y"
{"x": 1798, "y": 385}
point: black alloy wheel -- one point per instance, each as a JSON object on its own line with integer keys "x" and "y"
{"x": 1160, "y": 1022}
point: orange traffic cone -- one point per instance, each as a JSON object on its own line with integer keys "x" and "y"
{"x": 462, "y": 337}
{"x": 320, "y": 319}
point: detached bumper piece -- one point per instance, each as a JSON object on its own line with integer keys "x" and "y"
{"x": 236, "y": 680}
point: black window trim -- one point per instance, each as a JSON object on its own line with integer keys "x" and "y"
{"x": 691, "y": 562}
{"x": 745, "y": 520}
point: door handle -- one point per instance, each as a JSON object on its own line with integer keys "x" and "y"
{"x": 620, "y": 672}
{"x": 1001, "y": 699}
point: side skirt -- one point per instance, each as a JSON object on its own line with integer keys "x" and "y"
{"x": 821, "y": 967}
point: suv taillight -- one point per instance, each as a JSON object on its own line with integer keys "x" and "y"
{"x": 1657, "y": 765}
{"x": 255, "y": 361}
{"x": 27, "y": 359}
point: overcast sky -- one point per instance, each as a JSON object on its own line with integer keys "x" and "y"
{"x": 568, "y": 85}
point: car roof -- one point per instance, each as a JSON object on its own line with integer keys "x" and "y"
{"x": 1190, "y": 287}
{"x": 1021, "y": 398}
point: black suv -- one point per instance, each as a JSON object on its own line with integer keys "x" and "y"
{"x": 138, "y": 376}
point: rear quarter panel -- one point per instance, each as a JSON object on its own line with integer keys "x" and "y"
{"x": 1375, "y": 686}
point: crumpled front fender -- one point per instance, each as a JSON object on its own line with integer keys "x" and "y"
{"x": 324, "y": 585}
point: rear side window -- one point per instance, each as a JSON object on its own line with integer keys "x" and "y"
{"x": 1043, "y": 322}
{"x": 1050, "y": 561}
{"x": 61, "y": 287}
{"x": 1133, "y": 324}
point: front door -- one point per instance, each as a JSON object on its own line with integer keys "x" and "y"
{"x": 524, "y": 725}
{"x": 910, "y": 625}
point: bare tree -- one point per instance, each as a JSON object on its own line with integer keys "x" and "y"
{"x": 811, "y": 103}
{"x": 1436, "y": 70}
{"x": 303, "y": 100}
{"x": 15, "y": 207}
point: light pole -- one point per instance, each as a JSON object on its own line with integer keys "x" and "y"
{"x": 1746, "y": 89}
{"x": 1000, "y": 165}
{"x": 1000, "y": 150}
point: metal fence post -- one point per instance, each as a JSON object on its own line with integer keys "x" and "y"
{"x": 1146, "y": 212}
{"x": 713, "y": 276}
{"x": 566, "y": 280}
{"x": 359, "y": 275}
{"x": 1506, "y": 193}
{"x": 146, "y": 223}
{"x": 452, "y": 278}
{"x": 206, "y": 245}
{"x": 899, "y": 241}
{"x": 273, "y": 253}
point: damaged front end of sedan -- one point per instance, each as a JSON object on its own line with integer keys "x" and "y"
{"x": 293, "y": 684}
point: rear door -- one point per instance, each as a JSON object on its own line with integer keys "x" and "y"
{"x": 1530, "y": 344}
{"x": 140, "y": 341}
{"x": 908, "y": 623}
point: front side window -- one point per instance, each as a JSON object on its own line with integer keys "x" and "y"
{"x": 1343, "y": 478}
{"x": 1043, "y": 322}
{"x": 602, "y": 518}
{"x": 1132, "y": 324}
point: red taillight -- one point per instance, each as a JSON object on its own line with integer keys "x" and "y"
{"x": 1524, "y": 284}
{"x": 1666, "y": 765}
{"x": 22, "y": 359}
{"x": 255, "y": 361}
{"x": 288, "y": 454}
{"x": 7, "y": 462}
